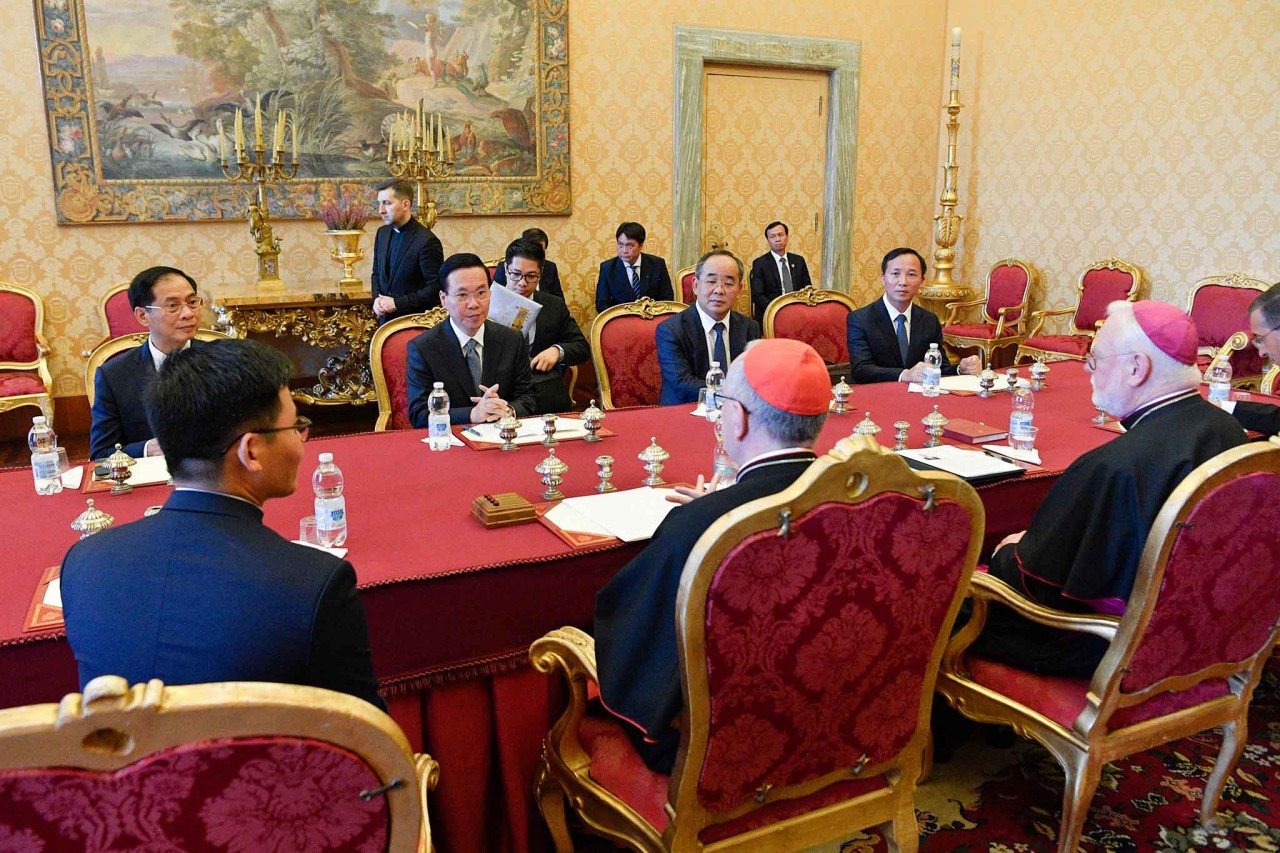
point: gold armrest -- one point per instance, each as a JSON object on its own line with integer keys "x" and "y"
{"x": 1002, "y": 323}
{"x": 42, "y": 346}
{"x": 573, "y": 653}
{"x": 991, "y": 588}
{"x": 428, "y": 772}
{"x": 1038, "y": 318}
{"x": 954, "y": 307}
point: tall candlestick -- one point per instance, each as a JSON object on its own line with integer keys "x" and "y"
{"x": 257, "y": 123}
{"x": 955, "y": 59}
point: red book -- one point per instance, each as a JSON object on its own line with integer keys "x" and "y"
{"x": 972, "y": 432}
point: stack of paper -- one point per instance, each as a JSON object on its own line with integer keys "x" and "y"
{"x": 632, "y": 515}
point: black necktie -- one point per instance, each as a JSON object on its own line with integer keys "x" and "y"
{"x": 901, "y": 321}
{"x": 717, "y": 348}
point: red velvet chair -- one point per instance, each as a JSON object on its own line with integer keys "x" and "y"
{"x": 1220, "y": 306}
{"x": 810, "y": 624}
{"x": 819, "y": 318}
{"x": 1100, "y": 284}
{"x": 687, "y": 279}
{"x": 493, "y": 265}
{"x": 231, "y": 766}
{"x": 1003, "y": 308}
{"x": 624, "y": 351}
{"x": 117, "y": 314}
{"x": 24, "y": 368}
{"x": 389, "y": 357}
{"x": 1201, "y": 621}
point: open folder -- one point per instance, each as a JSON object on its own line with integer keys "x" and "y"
{"x": 972, "y": 465}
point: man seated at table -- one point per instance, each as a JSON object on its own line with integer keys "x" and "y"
{"x": 1264, "y": 323}
{"x": 775, "y": 402}
{"x": 1082, "y": 550}
{"x": 633, "y": 273}
{"x": 558, "y": 343}
{"x": 163, "y": 299}
{"x": 549, "y": 281}
{"x": 484, "y": 365}
{"x": 202, "y": 590}
{"x": 709, "y": 330}
{"x": 888, "y": 339}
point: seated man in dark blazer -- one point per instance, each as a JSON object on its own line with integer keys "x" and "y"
{"x": 406, "y": 256}
{"x": 632, "y": 273}
{"x": 776, "y": 271}
{"x": 549, "y": 278}
{"x": 558, "y": 343}
{"x": 689, "y": 341}
{"x": 1264, "y": 323}
{"x": 484, "y": 365}
{"x": 202, "y": 590}
{"x": 888, "y": 339}
{"x": 164, "y": 299}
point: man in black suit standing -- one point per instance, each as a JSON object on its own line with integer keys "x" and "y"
{"x": 632, "y": 273}
{"x": 888, "y": 338}
{"x": 202, "y": 590}
{"x": 549, "y": 278}
{"x": 707, "y": 331}
{"x": 476, "y": 358}
{"x": 776, "y": 272}
{"x": 558, "y": 343}
{"x": 164, "y": 299}
{"x": 406, "y": 256}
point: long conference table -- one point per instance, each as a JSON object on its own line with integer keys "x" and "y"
{"x": 453, "y": 607}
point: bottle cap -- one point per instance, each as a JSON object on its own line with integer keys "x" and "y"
{"x": 437, "y": 385}
{"x": 715, "y": 364}
{"x": 326, "y": 457}
{"x": 38, "y": 419}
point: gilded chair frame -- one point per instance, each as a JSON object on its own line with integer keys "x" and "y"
{"x": 1239, "y": 281}
{"x": 1007, "y": 331}
{"x": 1088, "y": 744}
{"x": 649, "y": 309}
{"x": 1268, "y": 384}
{"x": 810, "y": 296}
{"x": 40, "y": 365}
{"x": 1235, "y": 343}
{"x": 856, "y": 470}
{"x": 112, "y": 347}
{"x": 112, "y": 725}
{"x": 426, "y": 320}
{"x": 1038, "y": 317}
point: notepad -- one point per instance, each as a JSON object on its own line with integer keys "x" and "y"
{"x": 971, "y": 465}
{"x": 631, "y": 515}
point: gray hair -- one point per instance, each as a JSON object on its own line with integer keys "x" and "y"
{"x": 786, "y": 429}
{"x": 1164, "y": 367}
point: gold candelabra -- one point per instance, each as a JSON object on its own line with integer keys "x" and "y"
{"x": 261, "y": 165}
{"x": 420, "y": 149}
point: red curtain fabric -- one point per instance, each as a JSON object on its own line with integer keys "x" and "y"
{"x": 822, "y": 326}
{"x": 17, "y": 328}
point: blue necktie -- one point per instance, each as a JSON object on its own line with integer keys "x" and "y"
{"x": 901, "y": 320}
{"x": 717, "y": 349}
{"x": 634, "y": 275}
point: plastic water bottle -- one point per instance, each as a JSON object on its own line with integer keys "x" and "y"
{"x": 438, "y": 419}
{"x": 721, "y": 462}
{"x": 1219, "y": 378}
{"x": 1022, "y": 416}
{"x": 331, "y": 506}
{"x": 44, "y": 457}
{"x": 715, "y": 382}
{"x": 931, "y": 382}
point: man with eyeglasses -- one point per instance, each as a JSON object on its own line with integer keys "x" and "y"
{"x": 203, "y": 591}
{"x": 558, "y": 343}
{"x": 709, "y": 330}
{"x": 484, "y": 365}
{"x": 164, "y": 300}
{"x": 1264, "y": 324}
{"x": 549, "y": 281}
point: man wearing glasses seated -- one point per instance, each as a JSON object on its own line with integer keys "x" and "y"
{"x": 1264, "y": 323}
{"x": 163, "y": 299}
{"x": 558, "y": 343}
{"x": 202, "y": 590}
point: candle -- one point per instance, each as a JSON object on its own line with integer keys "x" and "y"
{"x": 955, "y": 59}
{"x": 439, "y": 134}
{"x": 239, "y": 134}
{"x": 222, "y": 145}
{"x": 257, "y": 123}
{"x": 448, "y": 146}
{"x": 280, "y": 124}
{"x": 293, "y": 137}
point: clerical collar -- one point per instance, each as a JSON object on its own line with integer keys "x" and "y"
{"x": 1136, "y": 416}
{"x": 771, "y": 458}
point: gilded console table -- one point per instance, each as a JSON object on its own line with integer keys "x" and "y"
{"x": 323, "y": 318}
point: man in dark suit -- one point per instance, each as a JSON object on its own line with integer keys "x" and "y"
{"x": 406, "y": 257}
{"x": 707, "y": 331}
{"x": 477, "y": 359}
{"x": 549, "y": 278}
{"x": 632, "y": 273}
{"x": 164, "y": 299}
{"x": 776, "y": 397}
{"x": 558, "y": 343}
{"x": 203, "y": 591}
{"x": 776, "y": 272}
{"x": 1264, "y": 323}
{"x": 888, "y": 338}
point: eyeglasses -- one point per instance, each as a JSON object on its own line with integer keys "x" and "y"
{"x": 1092, "y": 359}
{"x": 531, "y": 277}
{"x": 302, "y": 425}
{"x": 724, "y": 397}
{"x": 195, "y": 303}
{"x": 1257, "y": 339}
{"x": 477, "y": 296}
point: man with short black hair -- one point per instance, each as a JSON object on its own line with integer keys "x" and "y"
{"x": 549, "y": 278}
{"x": 1264, "y": 323}
{"x": 202, "y": 591}
{"x": 777, "y": 271}
{"x": 484, "y": 365}
{"x": 164, "y": 299}
{"x": 406, "y": 256}
{"x": 632, "y": 274}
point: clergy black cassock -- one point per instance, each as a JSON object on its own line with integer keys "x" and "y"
{"x": 635, "y": 626}
{"x": 1082, "y": 550}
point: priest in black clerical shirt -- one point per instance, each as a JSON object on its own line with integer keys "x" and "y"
{"x": 406, "y": 257}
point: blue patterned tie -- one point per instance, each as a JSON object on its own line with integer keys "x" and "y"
{"x": 717, "y": 349}
{"x": 901, "y": 320}
{"x": 634, "y": 275}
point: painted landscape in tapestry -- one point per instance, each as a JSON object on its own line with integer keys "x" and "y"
{"x": 164, "y": 72}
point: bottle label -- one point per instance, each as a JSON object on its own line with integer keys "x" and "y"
{"x": 45, "y": 466}
{"x": 331, "y": 513}
{"x": 439, "y": 426}
{"x": 1219, "y": 392}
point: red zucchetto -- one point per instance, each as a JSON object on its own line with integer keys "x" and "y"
{"x": 788, "y": 375}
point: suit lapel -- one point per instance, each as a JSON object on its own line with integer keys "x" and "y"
{"x": 693, "y": 332}
{"x": 916, "y": 351}
{"x": 886, "y": 331}
{"x": 737, "y": 334}
{"x": 491, "y": 356}
{"x": 408, "y": 236}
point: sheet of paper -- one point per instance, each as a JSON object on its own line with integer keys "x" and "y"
{"x": 570, "y": 520}
{"x": 337, "y": 552}
{"x": 454, "y": 441}
{"x": 73, "y": 478}
{"x": 961, "y": 462}
{"x": 631, "y": 515}
{"x": 530, "y": 431}
{"x": 1032, "y": 456}
{"x": 917, "y": 388}
{"x": 53, "y": 594}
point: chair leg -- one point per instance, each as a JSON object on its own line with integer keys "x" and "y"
{"x": 1234, "y": 736}
{"x": 903, "y": 835}
{"x": 1082, "y": 772}
{"x": 551, "y": 802}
